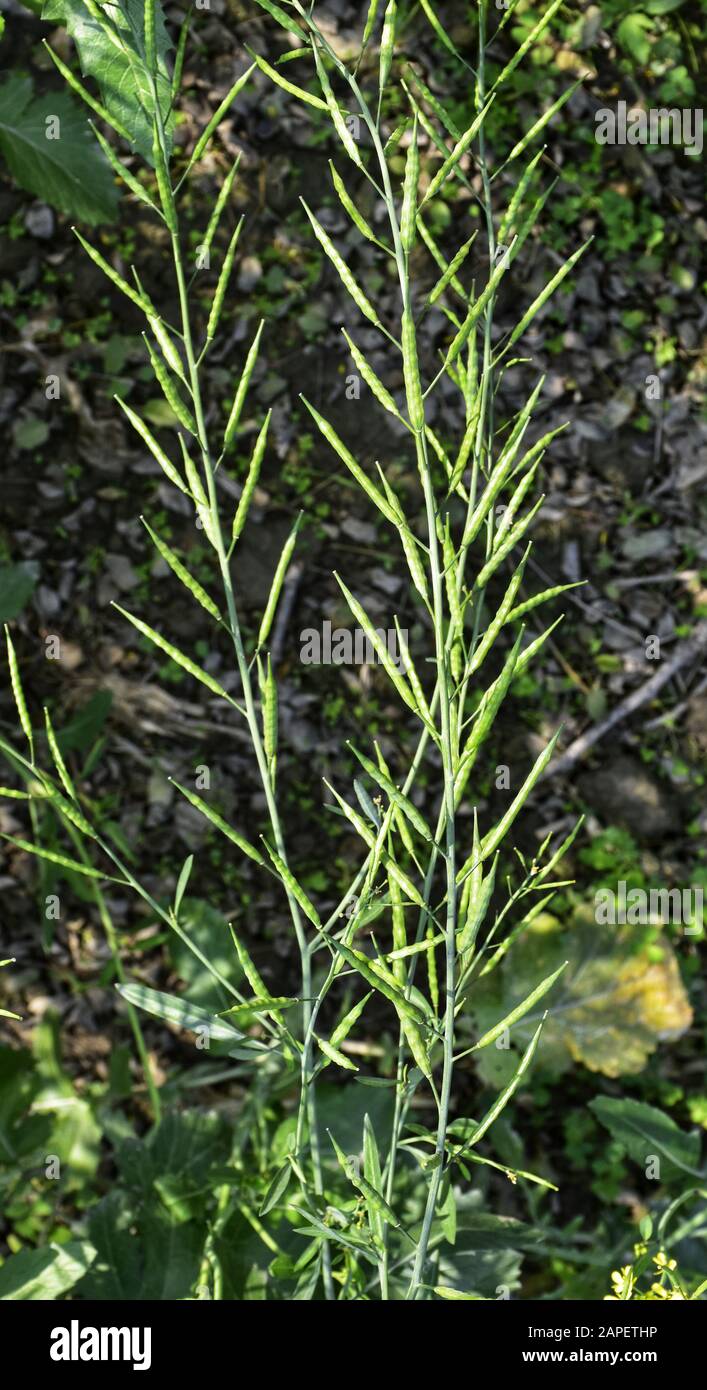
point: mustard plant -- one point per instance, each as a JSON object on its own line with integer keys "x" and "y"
{"x": 428, "y": 878}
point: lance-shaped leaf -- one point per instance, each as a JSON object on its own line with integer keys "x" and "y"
{"x": 184, "y": 661}
{"x": 491, "y": 841}
{"x": 643, "y": 1129}
{"x": 182, "y": 573}
{"x": 342, "y": 270}
{"x": 283, "y": 565}
{"x": 181, "y": 1013}
{"x": 221, "y": 824}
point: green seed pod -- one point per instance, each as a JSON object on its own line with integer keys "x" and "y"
{"x": 283, "y": 565}
{"x": 333, "y": 1055}
{"x": 170, "y": 391}
{"x": 208, "y": 811}
{"x": 251, "y": 481}
{"x": 18, "y": 692}
{"x": 164, "y": 184}
{"x": 349, "y": 1020}
{"x": 165, "y": 464}
{"x": 411, "y": 373}
{"x": 347, "y": 279}
{"x": 58, "y": 759}
{"x": 242, "y": 389}
{"x": 387, "y": 45}
{"x": 182, "y": 572}
{"x": 370, "y": 378}
{"x": 292, "y": 887}
{"x": 269, "y": 697}
{"x": 409, "y": 209}
{"x": 140, "y": 299}
{"x": 222, "y": 286}
{"x": 169, "y": 351}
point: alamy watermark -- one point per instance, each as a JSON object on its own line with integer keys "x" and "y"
{"x": 640, "y": 907}
{"x": 343, "y": 646}
{"x": 658, "y": 126}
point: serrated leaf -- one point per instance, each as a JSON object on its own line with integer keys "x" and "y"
{"x": 118, "y": 63}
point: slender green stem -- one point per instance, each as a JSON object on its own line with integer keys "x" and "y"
{"x": 251, "y": 713}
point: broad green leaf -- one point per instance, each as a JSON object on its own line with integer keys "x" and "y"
{"x": 17, "y": 584}
{"x": 180, "y": 1012}
{"x": 51, "y": 152}
{"x": 45, "y": 1274}
{"x": 609, "y": 1010}
{"x": 117, "y": 62}
{"x": 644, "y": 1131}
